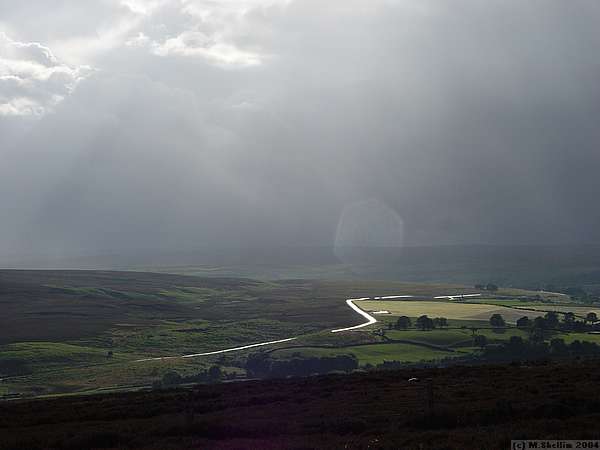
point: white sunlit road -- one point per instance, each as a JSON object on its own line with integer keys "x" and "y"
{"x": 217, "y": 352}
{"x": 370, "y": 319}
{"x": 459, "y": 296}
{"x": 350, "y": 302}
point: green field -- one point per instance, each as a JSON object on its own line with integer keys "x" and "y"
{"x": 442, "y": 337}
{"x": 410, "y": 345}
{"x": 570, "y": 337}
{"x": 71, "y": 331}
{"x": 84, "y": 331}
{"x": 511, "y": 310}
{"x": 370, "y": 354}
{"x": 450, "y": 310}
{"x": 579, "y": 311}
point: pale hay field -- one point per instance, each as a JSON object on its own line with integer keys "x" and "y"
{"x": 449, "y": 310}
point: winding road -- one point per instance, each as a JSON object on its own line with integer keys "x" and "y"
{"x": 350, "y": 302}
{"x": 370, "y": 319}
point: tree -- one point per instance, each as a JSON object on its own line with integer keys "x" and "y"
{"x": 480, "y": 341}
{"x": 403, "y": 322}
{"x": 214, "y": 373}
{"x": 558, "y": 346}
{"x": 497, "y": 321}
{"x": 537, "y": 335}
{"x": 591, "y": 317}
{"x": 440, "y": 322}
{"x": 425, "y": 323}
{"x": 576, "y": 347}
{"x": 551, "y": 319}
{"x": 516, "y": 344}
{"x": 347, "y": 363}
{"x": 539, "y": 323}
{"x": 171, "y": 379}
{"x": 590, "y": 348}
{"x": 258, "y": 364}
{"x": 523, "y": 322}
{"x": 537, "y": 331}
{"x": 491, "y": 287}
{"x": 480, "y": 287}
{"x": 569, "y": 319}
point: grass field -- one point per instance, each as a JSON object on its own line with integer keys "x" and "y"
{"x": 76, "y": 331}
{"x": 58, "y": 327}
{"x": 442, "y": 337}
{"x": 369, "y": 354}
{"x": 570, "y": 337}
{"x": 421, "y": 346}
{"x": 511, "y": 310}
{"x": 450, "y": 310}
{"x": 580, "y": 311}
{"x": 515, "y": 303}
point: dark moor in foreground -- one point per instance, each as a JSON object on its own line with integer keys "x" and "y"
{"x": 453, "y": 408}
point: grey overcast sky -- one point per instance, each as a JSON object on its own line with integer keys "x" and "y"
{"x": 147, "y": 124}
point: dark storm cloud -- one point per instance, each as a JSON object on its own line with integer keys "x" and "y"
{"x": 262, "y": 122}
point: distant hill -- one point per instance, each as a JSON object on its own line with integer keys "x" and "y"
{"x": 534, "y": 267}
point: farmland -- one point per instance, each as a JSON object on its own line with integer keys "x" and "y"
{"x": 86, "y": 331}
{"x": 476, "y": 310}
{"x": 370, "y": 353}
{"x": 79, "y": 331}
{"x": 450, "y": 310}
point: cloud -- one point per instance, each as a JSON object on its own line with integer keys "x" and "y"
{"x": 208, "y": 30}
{"x": 140, "y": 40}
{"x": 142, "y": 7}
{"x": 32, "y": 80}
{"x": 195, "y": 43}
{"x": 474, "y": 123}
{"x": 202, "y": 29}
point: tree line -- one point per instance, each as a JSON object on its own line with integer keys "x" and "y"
{"x": 539, "y": 329}
{"x": 172, "y": 379}
{"x": 423, "y": 323}
{"x": 261, "y": 365}
{"x": 519, "y": 348}
{"x": 551, "y": 321}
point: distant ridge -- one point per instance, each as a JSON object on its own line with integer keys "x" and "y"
{"x": 533, "y": 267}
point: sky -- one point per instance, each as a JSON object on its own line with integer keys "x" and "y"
{"x": 154, "y": 124}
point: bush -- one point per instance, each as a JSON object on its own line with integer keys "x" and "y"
{"x": 497, "y": 321}
{"x": 214, "y": 373}
{"x": 171, "y": 379}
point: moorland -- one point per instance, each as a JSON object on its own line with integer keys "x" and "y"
{"x": 69, "y": 332}
{"x": 452, "y": 408}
